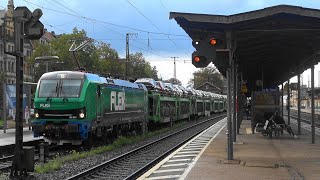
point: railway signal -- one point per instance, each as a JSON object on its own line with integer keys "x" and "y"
{"x": 26, "y": 24}
{"x": 205, "y": 51}
{"x": 199, "y": 61}
{"x": 33, "y": 28}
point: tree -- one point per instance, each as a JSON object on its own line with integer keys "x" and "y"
{"x": 60, "y": 47}
{"x": 108, "y": 61}
{"x": 138, "y": 67}
{"x": 208, "y": 74}
{"x": 96, "y": 57}
{"x": 173, "y": 81}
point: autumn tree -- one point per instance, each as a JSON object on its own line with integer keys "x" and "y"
{"x": 208, "y": 74}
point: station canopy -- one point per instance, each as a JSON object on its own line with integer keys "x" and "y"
{"x": 271, "y": 44}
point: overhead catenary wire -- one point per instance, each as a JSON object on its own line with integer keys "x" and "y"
{"x": 95, "y": 22}
{"x": 105, "y": 22}
{"x": 105, "y": 28}
{"x": 45, "y": 21}
{"x": 151, "y": 22}
{"x": 164, "y": 5}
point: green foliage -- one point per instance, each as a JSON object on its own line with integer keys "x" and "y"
{"x": 208, "y": 74}
{"x": 97, "y": 57}
{"x": 107, "y": 60}
{"x": 138, "y": 67}
{"x": 1, "y": 123}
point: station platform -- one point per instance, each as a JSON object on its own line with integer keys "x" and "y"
{"x": 8, "y": 138}
{"x": 258, "y": 157}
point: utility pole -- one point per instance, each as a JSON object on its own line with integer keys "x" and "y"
{"x": 174, "y": 67}
{"x": 127, "y": 53}
{"x": 127, "y": 50}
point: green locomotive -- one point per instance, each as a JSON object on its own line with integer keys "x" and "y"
{"x": 71, "y": 107}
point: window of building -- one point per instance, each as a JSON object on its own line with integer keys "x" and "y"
{"x": 13, "y": 67}
{"x": 8, "y": 66}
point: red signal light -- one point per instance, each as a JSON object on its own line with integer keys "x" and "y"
{"x": 213, "y": 41}
{"x": 196, "y": 59}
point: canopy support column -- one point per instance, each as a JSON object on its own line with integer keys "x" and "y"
{"x": 288, "y": 101}
{"x": 299, "y": 105}
{"x": 282, "y": 100}
{"x": 234, "y": 123}
{"x": 229, "y": 98}
{"x": 312, "y": 105}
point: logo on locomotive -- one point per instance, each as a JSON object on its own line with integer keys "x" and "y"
{"x": 44, "y": 105}
{"x": 117, "y": 101}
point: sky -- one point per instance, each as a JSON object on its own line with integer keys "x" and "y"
{"x": 152, "y": 32}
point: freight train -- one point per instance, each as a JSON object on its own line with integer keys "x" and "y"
{"x": 75, "y": 107}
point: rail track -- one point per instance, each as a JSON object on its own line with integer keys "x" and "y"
{"x": 6, "y": 161}
{"x": 305, "y": 117}
{"x": 134, "y": 163}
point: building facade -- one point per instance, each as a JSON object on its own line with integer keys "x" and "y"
{"x": 7, "y": 61}
{"x": 210, "y": 88}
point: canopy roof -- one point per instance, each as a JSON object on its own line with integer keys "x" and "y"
{"x": 271, "y": 44}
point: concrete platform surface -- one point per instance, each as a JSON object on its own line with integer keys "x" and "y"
{"x": 258, "y": 157}
{"x": 8, "y": 138}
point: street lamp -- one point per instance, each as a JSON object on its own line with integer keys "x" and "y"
{"x": 47, "y": 59}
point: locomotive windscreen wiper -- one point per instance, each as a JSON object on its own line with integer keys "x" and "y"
{"x": 52, "y": 94}
{"x": 63, "y": 92}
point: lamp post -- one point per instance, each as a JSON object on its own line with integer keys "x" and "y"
{"x": 46, "y": 59}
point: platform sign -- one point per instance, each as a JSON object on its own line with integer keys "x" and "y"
{"x": 244, "y": 88}
{"x": 11, "y": 98}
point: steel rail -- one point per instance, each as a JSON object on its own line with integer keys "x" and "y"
{"x": 141, "y": 170}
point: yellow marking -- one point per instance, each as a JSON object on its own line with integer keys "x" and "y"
{"x": 248, "y": 130}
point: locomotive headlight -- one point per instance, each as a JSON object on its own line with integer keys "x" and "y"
{"x": 36, "y": 115}
{"x": 81, "y": 115}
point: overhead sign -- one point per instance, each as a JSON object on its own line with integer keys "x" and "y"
{"x": 244, "y": 88}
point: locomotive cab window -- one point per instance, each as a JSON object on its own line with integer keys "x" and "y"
{"x": 49, "y": 88}
{"x": 65, "y": 88}
{"x": 70, "y": 88}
